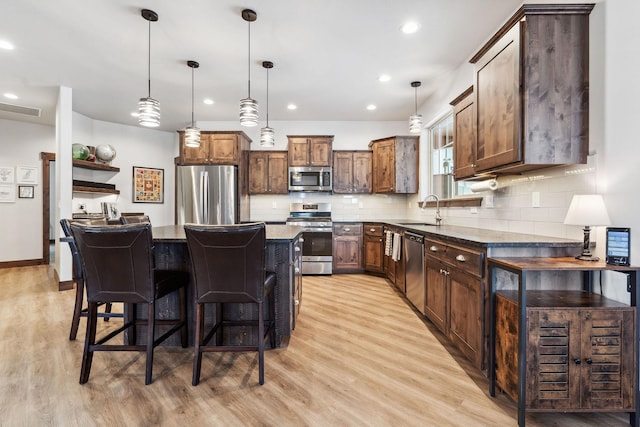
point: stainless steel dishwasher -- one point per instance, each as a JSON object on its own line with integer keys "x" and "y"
{"x": 414, "y": 269}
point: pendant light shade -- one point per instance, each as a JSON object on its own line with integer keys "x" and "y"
{"x": 192, "y": 133}
{"x": 267, "y": 136}
{"x": 415, "y": 120}
{"x": 149, "y": 108}
{"x": 249, "y": 106}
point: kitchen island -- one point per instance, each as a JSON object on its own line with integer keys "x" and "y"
{"x": 171, "y": 252}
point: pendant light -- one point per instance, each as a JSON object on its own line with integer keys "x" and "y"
{"x": 267, "y": 137}
{"x": 192, "y": 133}
{"x": 149, "y": 108}
{"x": 249, "y": 106}
{"x": 415, "y": 121}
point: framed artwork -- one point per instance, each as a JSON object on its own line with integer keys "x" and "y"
{"x": 6, "y": 175}
{"x": 25, "y": 191}
{"x": 7, "y": 193}
{"x": 148, "y": 185}
{"x": 27, "y": 175}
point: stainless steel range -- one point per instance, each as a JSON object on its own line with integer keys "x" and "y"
{"x": 317, "y": 246}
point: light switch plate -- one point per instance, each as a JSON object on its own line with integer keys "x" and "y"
{"x": 535, "y": 199}
{"x": 488, "y": 201}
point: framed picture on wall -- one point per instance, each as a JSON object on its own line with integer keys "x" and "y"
{"x": 6, "y": 175}
{"x": 7, "y": 193}
{"x": 148, "y": 185}
{"x": 27, "y": 175}
{"x": 25, "y": 191}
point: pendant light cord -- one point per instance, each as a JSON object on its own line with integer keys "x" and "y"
{"x": 149, "y": 61}
{"x": 267, "y": 97}
{"x": 416, "y": 98}
{"x": 249, "y": 61}
{"x": 192, "y": 96}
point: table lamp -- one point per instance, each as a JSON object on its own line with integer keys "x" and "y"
{"x": 587, "y": 210}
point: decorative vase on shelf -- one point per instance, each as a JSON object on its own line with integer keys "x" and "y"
{"x": 105, "y": 153}
{"x": 79, "y": 151}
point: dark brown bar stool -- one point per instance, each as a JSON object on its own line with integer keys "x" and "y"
{"x": 228, "y": 266}
{"x": 78, "y": 277}
{"x": 134, "y": 219}
{"x": 118, "y": 267}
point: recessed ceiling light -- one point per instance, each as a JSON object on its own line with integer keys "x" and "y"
{"x": 11, "y": 96}
{"x": 371, "y": 107}
{"x": 410, "y": 28}
{"x": 292, "y": 107}
{"x": 384, "y": 78}
{"x": 208, "y": 101}
{"x": 6, "y": 45}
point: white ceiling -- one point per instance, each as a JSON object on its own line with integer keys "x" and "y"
{"x": 328, "y": 55}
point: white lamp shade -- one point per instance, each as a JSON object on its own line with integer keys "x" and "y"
{"x": 587, "y": 210}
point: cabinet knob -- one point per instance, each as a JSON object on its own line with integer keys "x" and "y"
{"x": 461, "y": 258}
{"x": 296, "y": 302}
{"x": 588, "y": 361}
{"x": 297, "y": 249}
{"x": 433, "y": 248}
{"x": 372, "y": 230}
{"x": 577, "y": 361}
{"x": 347, "y": 229}
{"x": 297, "y": 270}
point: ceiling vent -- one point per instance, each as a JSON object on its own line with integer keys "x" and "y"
{"x": 28, "y": 111}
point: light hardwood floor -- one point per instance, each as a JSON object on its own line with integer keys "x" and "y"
{"x": 359, "y": 356}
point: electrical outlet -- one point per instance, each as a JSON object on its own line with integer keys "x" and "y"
{"x": 274, "y": 205}
{"x": 474, "y": 210}
{"x": 535, "y": 199}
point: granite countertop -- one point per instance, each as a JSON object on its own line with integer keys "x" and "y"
{"x": 490, "y": 238}
{"x": 274, "y": 232}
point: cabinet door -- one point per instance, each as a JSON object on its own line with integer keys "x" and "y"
{"x": 346, "y": 253}
{"x": 384, "y": 170}
{"x": 195, "y": 155}
{"x": 320, "y": 150}
{"x": 373, "y": 250}
{"x": 464, "y": 139}
{"x": 258, "y": 172}
{"x": 298, "y": 151}
{"x": 277, "y": 173}
{"x": 466, "y": 302}
{"x": 497, "y": 103}
{"x": 342, "y": 172}
{"x": 608, "y": 366}
{"x": 553, "y": 377}
{"x": 362, "y": 172}
{"x": 435, "y": 306}
{"x": 223, "y": 149}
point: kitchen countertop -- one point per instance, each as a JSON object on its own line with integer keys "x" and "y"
{"x": 489, "y": 238}
{"x": 274, "y": 232}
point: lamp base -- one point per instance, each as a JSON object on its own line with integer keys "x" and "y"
{"x": 587, "y": 258}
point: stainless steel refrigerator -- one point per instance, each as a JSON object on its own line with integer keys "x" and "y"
{"x": 207, "y": 195}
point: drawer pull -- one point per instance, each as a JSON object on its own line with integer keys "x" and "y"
{"x": 577, "y": 361}
{"x": 461, "y": 258}
{"x": 297, "y": 270}
{"x": 372, "y": 230}
{"x": 296, "y": 302}
{"x": 297, "y": 249}
{"x": 347, "y": 229}
{"x": 433, "y": 248}
{"x": 588, "y": 361}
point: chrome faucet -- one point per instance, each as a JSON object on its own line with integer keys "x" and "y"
{"x": 437, "y": 199}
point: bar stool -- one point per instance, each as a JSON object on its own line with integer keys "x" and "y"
{"x": 78, "y": 277}
{"x": 118, "y": 266}
{"x": 134, "y": 219}
{"x": 228, "y": 266}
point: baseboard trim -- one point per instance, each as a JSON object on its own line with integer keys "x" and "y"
{"x": 66, "y": 285}
{"x": 21, "y": 263}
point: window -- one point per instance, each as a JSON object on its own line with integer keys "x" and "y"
{"x": 440, "y": 136}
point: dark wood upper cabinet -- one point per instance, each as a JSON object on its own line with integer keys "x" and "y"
{"x": 310, "y": 150}
{"x": 216, "y": 148}
{"x": 395, "y": 164}
{"x": 531, "y": 91}
{"x": 268, "y": 172}
{"x": 464, "y": 136}
{"x": 352, "y": 172}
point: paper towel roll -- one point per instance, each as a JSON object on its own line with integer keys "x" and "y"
{"x": 488, "y": 185}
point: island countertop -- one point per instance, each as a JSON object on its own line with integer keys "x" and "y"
{"x": 174, "y": 233}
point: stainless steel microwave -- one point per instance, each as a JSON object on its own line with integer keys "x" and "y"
{"x": 309, "y": 178}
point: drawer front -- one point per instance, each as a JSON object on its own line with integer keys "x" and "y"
{"x": 347, "y": 229}
{"x": 373, "y": 230}
{"x": 466, "y": 259}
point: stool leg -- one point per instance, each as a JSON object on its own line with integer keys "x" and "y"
{"x": 199, "y": 336}
{"x": 107, "y": 309}
{"x": 90, "y": 340}
{"x": 77, "y": 310}
{"x": 261, "y": 343}
{"x": 151, "y": 323}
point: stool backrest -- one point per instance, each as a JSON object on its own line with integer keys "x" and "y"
{"x": 228, "y": 261}
{"x": 65, "y": 224}
{"x": 117, "y": 261}
{"x": 134, "y": 219}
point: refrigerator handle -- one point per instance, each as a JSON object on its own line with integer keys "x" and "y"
{"x": 204, "y": 196}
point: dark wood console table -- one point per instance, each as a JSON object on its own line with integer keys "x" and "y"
{"x": 561, "y": 370}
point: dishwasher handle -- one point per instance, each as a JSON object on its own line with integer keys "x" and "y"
{"x": 414, "y": 237}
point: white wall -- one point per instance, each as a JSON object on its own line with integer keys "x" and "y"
{"x": 21, "y": 224}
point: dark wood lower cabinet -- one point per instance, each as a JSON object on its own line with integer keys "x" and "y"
{"x": 580, "y": 352}
{"x": 373, "y": 252}
{"x": 347, "y": 248}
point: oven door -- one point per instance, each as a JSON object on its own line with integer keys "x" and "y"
{"x": 317, "y": 251}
